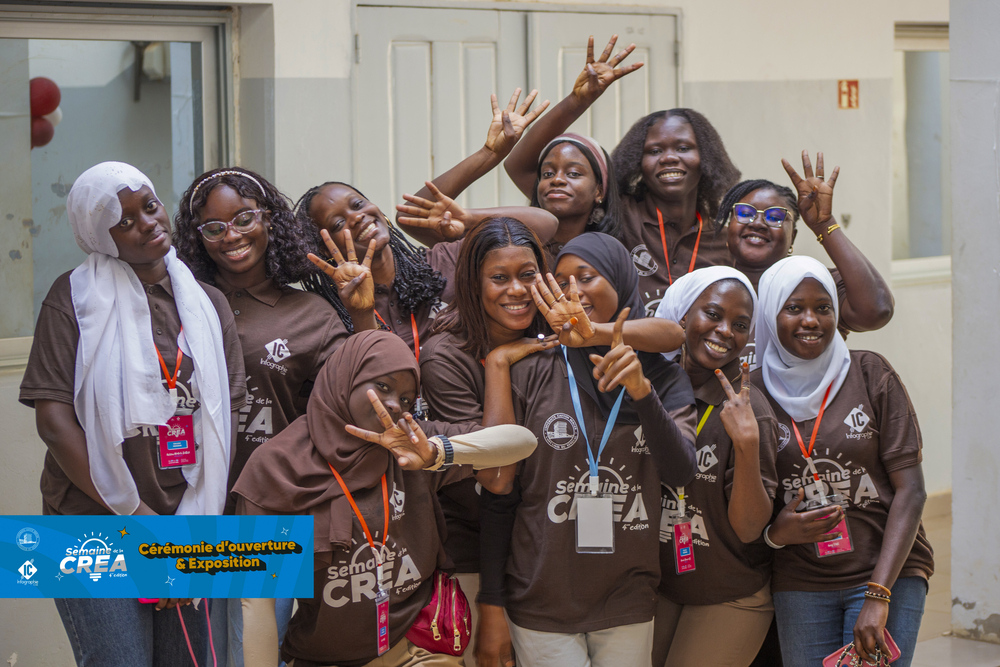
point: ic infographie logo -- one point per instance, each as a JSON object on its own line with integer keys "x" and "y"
{"x": 28, "y": 539}
{"x": 27, "y": 572}
{"x": 96, "y": 556}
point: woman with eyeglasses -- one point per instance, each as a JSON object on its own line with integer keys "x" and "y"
{"x": 237, "y": 231}
{"x": 761, "y": 218}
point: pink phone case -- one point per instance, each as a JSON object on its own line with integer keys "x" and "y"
{"x": 835, "y": 659}
{"x": 149, "y": 600}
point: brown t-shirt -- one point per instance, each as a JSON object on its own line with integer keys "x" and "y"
{"x": 286, "y": 336}
{"x": 641, "y": 237}
{"x": 453, "y": 384}
{"x": 441, "y": 257}
{"x": 337, "y": 626}
{"x": 868, "y": 430}
{"x": 726, "y": 569}
{"x": 549, "y": 586}
{"x": 50, "y": 376}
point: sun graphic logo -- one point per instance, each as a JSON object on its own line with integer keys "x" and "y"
{"x": 93, "y": 555}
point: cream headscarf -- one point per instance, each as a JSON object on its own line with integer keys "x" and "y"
{"x": 798, "y": 385}
{"x": 117, "y": 384}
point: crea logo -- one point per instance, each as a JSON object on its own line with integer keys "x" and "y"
{"x": 27, "y": 539}
{"x": 95, "y": 555}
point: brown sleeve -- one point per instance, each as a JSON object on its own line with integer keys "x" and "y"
{"x": 443, "y": 257}
{"x": 449, "y": 391}
{"x": 245, "y": 507}
{"x": 336, "y": 334}
{"x": 767, "y": 424}
{"x": 900, "y": 442}
{"x": 51, "y": 368}
{"x": 234, "y": 352}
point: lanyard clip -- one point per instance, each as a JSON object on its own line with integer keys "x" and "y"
{"x": 378, "y": 570}
{"x": 595, "y": 484}
{"x": 173, "y": 396}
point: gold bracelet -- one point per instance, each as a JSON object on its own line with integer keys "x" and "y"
{"x": 881, "y": 587}
{"x": 829, "y": 230}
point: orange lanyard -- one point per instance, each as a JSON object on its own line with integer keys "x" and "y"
{"x": 663, "y": 240}
{"x": 807, "y": 453}
{"x": 416, "y": 335}
{"x": 364, "y": 524}
{"x": 171, "y": 379}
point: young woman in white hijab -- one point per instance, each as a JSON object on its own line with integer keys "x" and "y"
{"x": 125, "y": 343}
{"x": 731, "y": 498}
{"x": 854, "y": 569}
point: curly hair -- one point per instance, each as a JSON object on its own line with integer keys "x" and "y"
{"x": 465, "y": 315}
{"x": 285, "y": 259}
{"x": 605, "y": 217}
{"x": 718, "y": 173}
{"x": 416, "y": 282}
{"x": 744, "y": 188}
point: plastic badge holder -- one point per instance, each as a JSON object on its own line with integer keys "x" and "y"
{"x": 595, "y": 528}
{"x": 840, "y": 545}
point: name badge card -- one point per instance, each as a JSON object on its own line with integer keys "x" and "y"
{"x": 595, "y": 526}
{"x": 839, "y": 545}
{"x": 382, "y": 610}
{"x": 683, "y": 546}
{"x": 176, "y": 443}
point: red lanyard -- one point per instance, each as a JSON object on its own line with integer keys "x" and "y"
{"x": 807, "y": 453}
{"x": 171, "y": 379}
{"x": 663, "y": 239}
{"x": 364, "y": 524}
{"x": 416, "y": 335}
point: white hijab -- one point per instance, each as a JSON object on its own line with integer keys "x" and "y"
{"x": 680, "y": 296}
{"x": 118, "y": 382}
{"x": 798, "y": 385}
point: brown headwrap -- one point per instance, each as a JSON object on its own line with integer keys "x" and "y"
{"x": 289, "y": 473}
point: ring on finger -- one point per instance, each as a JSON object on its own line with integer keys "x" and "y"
{"x": 560, "y": 298}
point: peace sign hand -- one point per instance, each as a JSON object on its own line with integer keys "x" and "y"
{"x": 815, "y": 195}
{"x": 509, "y": 124}
{"x": 565, "y": 315}
{"x": 353, "y": 280}
{"x": 442, "y": 215}
{"x": 621, "y": 365}
{"x": 737, "y": 412}
{"x": 405, "y": 439}
{"x": 598, "y": 75}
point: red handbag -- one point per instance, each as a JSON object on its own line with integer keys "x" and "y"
{"x": 836, "y": 659}
{"x": 444, "y": 625}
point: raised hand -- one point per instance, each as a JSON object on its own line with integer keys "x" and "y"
{"x": 621, "y": 365}
{"x": 442, "y": 214}
{"x": 509, "y": 124}
{"x": 511, "y": 353}
{"x": 564, "y": 314}
{"x": 791, "y": 527}
{"x": 353, "y": 280}
{"x": 815, "y": 195}
{"x": 598, "y": 74}
{"x": 405, "y": 439}
{"x": 737, "y": 413}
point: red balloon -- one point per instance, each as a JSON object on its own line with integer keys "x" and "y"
{"x": 42, "y": 132}
{"x": 45, "y": 96}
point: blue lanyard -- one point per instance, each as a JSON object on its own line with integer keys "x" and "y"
{"x": 608, "y": 427}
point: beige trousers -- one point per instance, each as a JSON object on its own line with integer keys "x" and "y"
{"x": 405, "y": 654}
{"x": 722, "y": 635}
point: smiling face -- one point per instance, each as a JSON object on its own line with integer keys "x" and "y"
{"x": 567, "y": 185}
{"x": 597, "y": 295}
{"x": 717, "y": 326}
{"x": 397, "y": 391}
{"x": 671, "y": 163}
{"x": 235, "y": 253}
{"x": 505, "y": 280}
{"x": 755, "y": 245}
{"x": 142, "y": 236}
{"x": 806, "y": 322}
{"x": 341, "y": 210}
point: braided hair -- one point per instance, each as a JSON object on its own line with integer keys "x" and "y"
{"x": 744, "y": 188}
{"x": 285, "y": 259}
{"x": 718, "y": 173}
{"x": 416, "y": 283}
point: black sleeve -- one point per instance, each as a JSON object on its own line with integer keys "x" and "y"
{"x": 496, "y": 526}
{"x": 671, "y": 447}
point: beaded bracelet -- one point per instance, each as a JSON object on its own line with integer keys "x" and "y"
{"x": 880, "y": 587}
{"x": 877, "y": 596}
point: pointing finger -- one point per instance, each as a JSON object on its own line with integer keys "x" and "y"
{"x": 380, "y": 411}
{"x": 819, "y": 166}
{"x": 807, "y": 168}
{"x": 512, "y": 104}
{"x": 530, "y": 118}
{"x": 608, "y": 49}
{"x": 616, "y": 333}
{"x": 331, "y": 246}
{"x": 792, "y": 174}
{"x": 536, "y": 296}
{"x": 351, "y": 255}
{"x": 590, "y": 50}
{"x": 745, "y": 378}
{"x": 523, "y": 109}
{"x": 493, "y": 103}
{"x": 833, "y": 177}
{"x": 322, "y": 264}
{"x": 726, "y": 387}
{"x": 370, "y": 436}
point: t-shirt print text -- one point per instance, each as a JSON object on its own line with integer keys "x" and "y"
{"x": 277, "y": 351}
{"x": 837, "y": 474}
{"x": 628, "y": 507}
{"x": 352, "y": 578}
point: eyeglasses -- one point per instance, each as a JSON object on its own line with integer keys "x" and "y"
{"x": 245, "y": 222}
{"x": 774, "y": 216}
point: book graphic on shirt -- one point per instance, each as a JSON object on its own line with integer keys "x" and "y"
{"x": 837, "y": 475}
{"x": 628, "y": 507}
{"x": 643, "y": 261}
{"x": 669, "y": 516}
{"x": 277, "y": 351}
{"x": 856, "y": 421}
{"x": 560, "y": 431}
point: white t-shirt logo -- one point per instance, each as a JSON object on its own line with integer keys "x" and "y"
{"x": 397, "y": 499}
{"x": 277, "y": 350}
{"x": 706, "y": 458}
{"x": 560, "y": 431}
{"x": 644, "y": 263}
{"x": 857, "y": 420}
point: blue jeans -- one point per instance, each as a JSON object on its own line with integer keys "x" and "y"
{"x": 812, "y": 625}
{"x": 282, "y": 614}
{"x": 123, "y": 632}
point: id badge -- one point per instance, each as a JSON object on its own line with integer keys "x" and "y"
{"x": 382, "y": 611}
{"x": 595, "y": 525}
{"x": 176, "y": 443}
{"x": 840, "y": 545}
{"x": 683, "y": 546}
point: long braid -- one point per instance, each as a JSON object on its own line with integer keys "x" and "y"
{"x": 744, "y": 188}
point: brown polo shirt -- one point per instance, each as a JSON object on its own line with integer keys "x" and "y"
{"x": 441, "y": 257}
{"x": 50, "y": 376}
{"x": 641, "y": 237}
{"x": 453, "y": 384}
{"x": 286, "y": 336}
{"x": 726, "y": 569}
{"x": 869, "y": 429}
{"x": 549, "y": 586}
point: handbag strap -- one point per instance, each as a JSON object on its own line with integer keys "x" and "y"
{"x": 856, "y": 661}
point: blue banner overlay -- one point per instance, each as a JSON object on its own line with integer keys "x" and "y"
{"x": 156, "y": 556}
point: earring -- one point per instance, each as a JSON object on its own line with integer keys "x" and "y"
{"x": 790, "y": 248}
